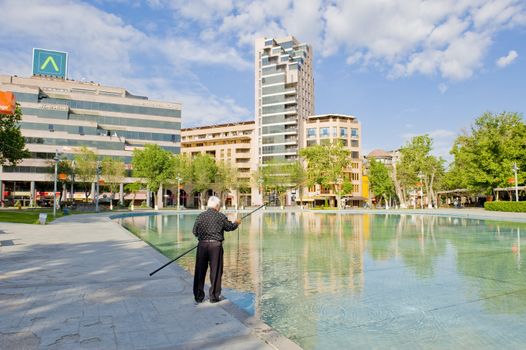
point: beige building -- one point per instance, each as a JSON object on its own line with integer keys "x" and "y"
{"x": 63, "y": 115}
{"x": 233, "y": 143}
{"x": 330, "y": 128}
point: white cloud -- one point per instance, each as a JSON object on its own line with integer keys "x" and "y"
{"x": 448, "y": 38}
{"x": 508, "y": 59}
{"x": 442, "y": 88}
{"x": 103, "y": 47}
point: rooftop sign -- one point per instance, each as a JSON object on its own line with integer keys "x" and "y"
{"x": 48, "y": 62}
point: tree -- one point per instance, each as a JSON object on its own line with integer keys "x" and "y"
{"x": 381, "y": 183}
{"x": 276, "y": 177}
{"x": 484, "y": 155}
{"x": 204, "y": 170}
{"x": 225, "y": 179}
{"x": 86, "y": 169}
{"x": 299, "y": 178}
{"x": 326, "y": 165}
{"x": 182, "y": 171}
{"x": 113, "y": 173}
{"x": 155, "y": 166}
{"x": 12, "y": 143}
{"x": 133, "y": 187}
{"x": 418, "y": 165}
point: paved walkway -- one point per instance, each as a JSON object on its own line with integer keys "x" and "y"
{"x": 84, "y": 283}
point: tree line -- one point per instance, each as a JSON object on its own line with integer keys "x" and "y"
{"x": 483, "y": 159}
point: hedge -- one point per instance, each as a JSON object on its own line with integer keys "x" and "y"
{"x": 518, "y": 207}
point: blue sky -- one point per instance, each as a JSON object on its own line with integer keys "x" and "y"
{"x": 403, "y": 67}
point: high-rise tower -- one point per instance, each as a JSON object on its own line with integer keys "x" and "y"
{"x": 284, "y": 96}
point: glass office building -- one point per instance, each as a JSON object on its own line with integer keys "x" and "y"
{"x": 63, "y": 115}
{"x": 284, "y": 96}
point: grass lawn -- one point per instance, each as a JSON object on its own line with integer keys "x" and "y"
{"x": 26, "y": 216}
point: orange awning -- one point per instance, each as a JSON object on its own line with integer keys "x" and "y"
{"x": 7, "y": 102}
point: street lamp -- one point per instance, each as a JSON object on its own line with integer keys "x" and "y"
{"x": 178, "y": 178}
{"x": 72, "y": 179}
{"x": 97, "y": 186}
{"x": 515, "y": 169}
{"x": 56, "y": 159}
{"x": 421, "y": 177}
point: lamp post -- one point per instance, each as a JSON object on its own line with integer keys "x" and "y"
{"x": 55, "y": 184}
{"x": 421, "y": 177}
{"x": 72, "y": 179}
{"x": 98, "y": 172}
{"x": 515, "y": 169}
{"x": 178, "y": 178}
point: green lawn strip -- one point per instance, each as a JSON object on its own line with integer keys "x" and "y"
{"x": 30, "y": 216}
{"x": 24, "y": 216}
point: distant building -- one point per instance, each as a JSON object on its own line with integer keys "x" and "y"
{"x": 331, "y": 128}
{"x": 233, "y": 143}
{"x": 284, "y": 96}
{"x": 62, "y": 115}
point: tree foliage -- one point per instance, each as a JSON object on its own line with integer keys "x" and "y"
{"x": 12, "y": 143}
{"x": 225, "y": 179}
{"x": 85, "y": 169}
{"x": 484, "y": 155}
{"x": 204, "y": 171}
{"x": 380, "y": 181}
{"x": 417, "y": 164}
{"x": 113, "y": 173}
{"x": 326, "y": 164}
{"x": 154, "y": 165}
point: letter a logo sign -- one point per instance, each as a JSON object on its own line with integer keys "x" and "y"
{"x": 48, "y": 60}
{"x": 50, "y": 63}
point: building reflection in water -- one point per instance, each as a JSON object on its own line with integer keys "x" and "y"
{"x": 306, "y": 272}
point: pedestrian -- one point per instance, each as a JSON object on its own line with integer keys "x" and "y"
{"x": 209, "y": 228}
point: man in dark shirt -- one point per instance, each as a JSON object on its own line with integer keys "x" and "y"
{"x": 209, "y": 228}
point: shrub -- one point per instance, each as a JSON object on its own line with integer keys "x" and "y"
{"x": 18, "y": 205}
{"x": 518, "y": 207}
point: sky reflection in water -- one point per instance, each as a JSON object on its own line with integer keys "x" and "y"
{"x": 369, "y": 281}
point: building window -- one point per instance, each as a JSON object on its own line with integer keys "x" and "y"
{"x": 324, "y": 132}
{"x": 354, "y": 143}
{"x": 174, "y": 138}
{"x": 311, "y": 133}
{"x": 50, "y": 127}
{"x": 343, "y": 132}
{"x": 355, "y": 155}
{"x": 354, "y": 132}
{"x": 334, "y": 131}
{"x": 81, "y": 130}
{"x": 311, "y": 143}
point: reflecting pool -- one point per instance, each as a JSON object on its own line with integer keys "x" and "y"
{"x": 332, "y": 281}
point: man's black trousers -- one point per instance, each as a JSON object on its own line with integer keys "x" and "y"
{"x": 208, "y": 252}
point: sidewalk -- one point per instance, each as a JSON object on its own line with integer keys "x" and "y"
{"x": 84, "y": 283}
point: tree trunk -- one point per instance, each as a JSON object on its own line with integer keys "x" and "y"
{"x": 432, "y": 192}
{"x": 155, "y": 200}
{"x": 201, "y": 199}
{"x": 398, "y": 188}
{"x": 386, "y": 202}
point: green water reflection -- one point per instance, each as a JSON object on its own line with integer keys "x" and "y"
{"x": 332, "y": 281}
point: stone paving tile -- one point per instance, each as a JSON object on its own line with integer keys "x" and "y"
{"x": 91, "y": 290}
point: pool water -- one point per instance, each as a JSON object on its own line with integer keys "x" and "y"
{"x": 333, "y": 281}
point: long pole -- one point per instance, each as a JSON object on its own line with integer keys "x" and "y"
{"x": 97, "y": 188}
{"x": 178, "y": 191}
{"x": 515, "y": 168}
{"x": 55, "y": 185}
{"x": 189, "y": 250}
